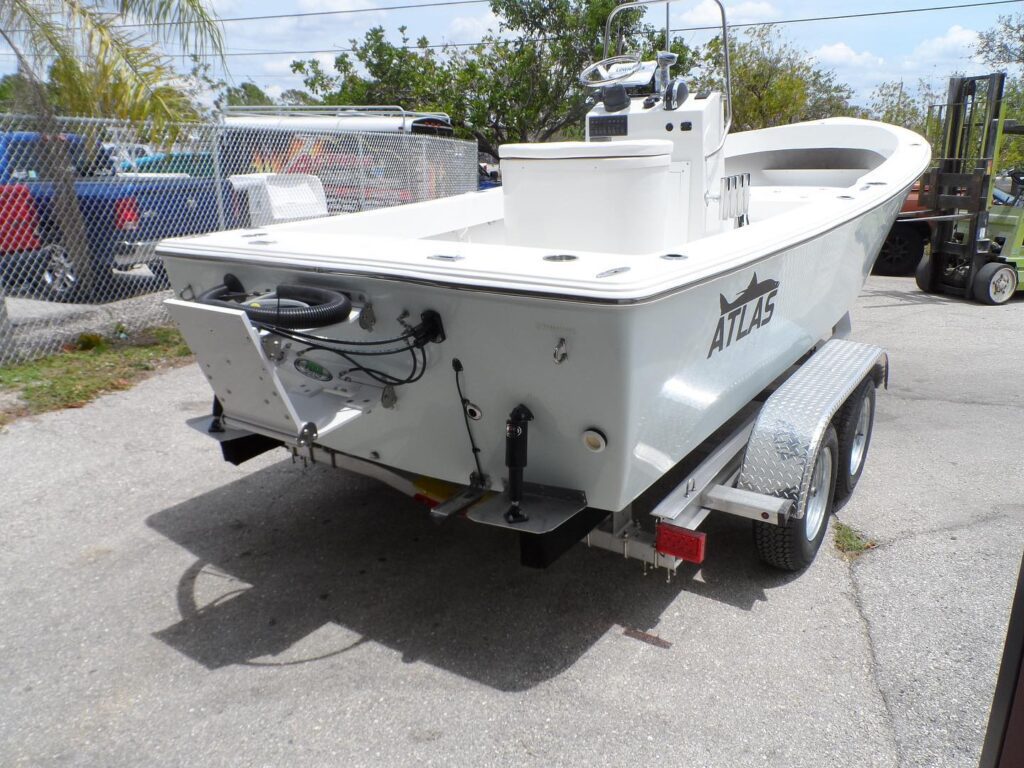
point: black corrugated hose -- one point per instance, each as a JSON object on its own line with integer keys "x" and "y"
{"x": 325, "y": 307}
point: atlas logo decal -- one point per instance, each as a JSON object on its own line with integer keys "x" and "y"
{"x": 753, "y": 308}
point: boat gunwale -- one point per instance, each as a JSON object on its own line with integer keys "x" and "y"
{"x": 550, "y": 296}
{"x": 712, "y": 256}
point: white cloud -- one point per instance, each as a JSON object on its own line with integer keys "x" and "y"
{"x": 840, "y": 54}
{"x": 283, "y": 65}
{"x": 707, "y": 13}
{"x": 953, "y": 48}
{"x": 226, "y": 7}
{"x": 469, "y": 29}
{"x": 308, "y": 6}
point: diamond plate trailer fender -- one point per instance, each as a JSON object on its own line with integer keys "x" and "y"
{"x": 779, "y": 457}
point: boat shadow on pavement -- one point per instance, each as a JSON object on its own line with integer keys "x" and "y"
{"x": 286, "y": 551}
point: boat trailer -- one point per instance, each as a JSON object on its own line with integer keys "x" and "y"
{"x": 782, "y": 462}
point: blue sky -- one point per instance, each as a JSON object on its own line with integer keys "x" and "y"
{"x": 863, "y": 52}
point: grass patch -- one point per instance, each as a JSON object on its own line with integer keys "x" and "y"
{"x": 852, "y": 542}
{"x": 94, "y": 366}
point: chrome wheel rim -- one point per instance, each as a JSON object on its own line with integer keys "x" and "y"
{"x": 59, "y": 274}
{"x": 817, "y": 495}
{"x": 1002, "y": 285}
{"x": 860, "y": 436}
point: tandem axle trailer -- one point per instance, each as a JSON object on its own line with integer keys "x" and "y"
{"x": 784, "y": 461}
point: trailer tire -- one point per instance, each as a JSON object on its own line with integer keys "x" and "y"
{"x": 792, "y": 547}
{"x": 854, "y": 424}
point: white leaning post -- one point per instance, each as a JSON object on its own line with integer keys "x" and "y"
{"x": 780, "y": 453}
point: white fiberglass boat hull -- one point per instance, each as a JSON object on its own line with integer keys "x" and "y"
{"x": 655, "y": 358}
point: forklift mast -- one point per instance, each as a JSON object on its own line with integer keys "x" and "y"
{"x": 967, "y": 134}
{"x": 971, "y": 125}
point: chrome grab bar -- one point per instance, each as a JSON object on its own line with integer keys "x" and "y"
{"x": 725, "y": 48}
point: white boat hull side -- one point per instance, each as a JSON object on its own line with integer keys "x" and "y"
{"x": 639, "y": 372}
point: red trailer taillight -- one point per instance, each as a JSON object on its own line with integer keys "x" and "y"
{"x": 680, "y": 542}
{"x": 126, "y": 214}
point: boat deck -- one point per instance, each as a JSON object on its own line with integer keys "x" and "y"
{"x": 461, "y": 240}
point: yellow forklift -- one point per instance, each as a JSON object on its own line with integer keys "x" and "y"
{"x": 976, "y": 242}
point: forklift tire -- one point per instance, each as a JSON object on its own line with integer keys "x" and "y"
{"x": 854, "y": 424}
{"x": 995, "y": 283}
{"x": 792, "y": 547}
{"x": 924, "y": 275}
{"x": 901, "y": 252}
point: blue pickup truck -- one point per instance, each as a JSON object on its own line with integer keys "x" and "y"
{"x": 124, "y": 215}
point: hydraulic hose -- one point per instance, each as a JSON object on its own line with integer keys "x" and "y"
{"x": 325, "y": 307}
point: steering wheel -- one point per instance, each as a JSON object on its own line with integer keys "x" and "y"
{"x": 604, "y": 76}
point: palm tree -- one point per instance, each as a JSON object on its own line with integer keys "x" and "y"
{"x": 92, "y": 44}
{"x": 120, "y": 39}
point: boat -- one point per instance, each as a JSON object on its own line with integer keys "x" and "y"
{"x": 583, "y": 328}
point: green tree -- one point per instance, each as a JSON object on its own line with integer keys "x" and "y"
{"x": 894, "y": 102}
{"x": 1002, "y": 47}
{"x": 9, "y": 85}
{"x": 1011, "y": 152}
{"x": 519, "y": 84}
{"x": 1003, "y": 44}
{"x": 98, "y": 88}
{"x": 297, "y": 98}
{"x": 247, "y": 95}
{"x": 773, "y": 81}
{"x": 81, "y": 37}
{"x": 84, "y": 47}
{"x": 899, "y": 103}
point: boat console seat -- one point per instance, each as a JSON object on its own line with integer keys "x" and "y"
{"x": 598, "y": 196}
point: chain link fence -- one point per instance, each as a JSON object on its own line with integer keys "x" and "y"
{"x": 83, "y": 203}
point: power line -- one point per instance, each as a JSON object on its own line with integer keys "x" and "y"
{"x": 740, "y": 25}
{"x": 302, "y": 15}
{"x": 446, "y": 3}
{"x": 407, "y": 6}
{"x": 352, "y": 50}
{"x": 851, "y": 15}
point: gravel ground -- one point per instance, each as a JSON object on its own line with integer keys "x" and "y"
{"x": 43, "y": 327}
{"x": 163, "y": 608}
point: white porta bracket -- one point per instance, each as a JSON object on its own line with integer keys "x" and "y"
{"x": 234, "y": 359}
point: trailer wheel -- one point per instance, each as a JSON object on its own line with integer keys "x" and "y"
{"x": 792, "y": 547}
{"x": 995, "y": 283}
{"x": 854, "y": 424}
{"x": 924, "y": 275}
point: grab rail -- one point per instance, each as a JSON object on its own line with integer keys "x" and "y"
{"x": 725, "y": 48}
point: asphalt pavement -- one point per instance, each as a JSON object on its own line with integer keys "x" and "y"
{"x": 162, "y": 608}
